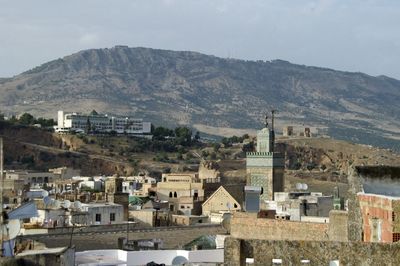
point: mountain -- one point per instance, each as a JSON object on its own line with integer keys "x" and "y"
{"x": 213, "y": 95}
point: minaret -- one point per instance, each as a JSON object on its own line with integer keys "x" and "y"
{"x": 265, "y": 168}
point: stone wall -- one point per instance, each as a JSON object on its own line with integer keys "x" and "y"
{"x": 338, "y": 226}
{"x": 245, "y": 226}
{"x": 317, "y": 252}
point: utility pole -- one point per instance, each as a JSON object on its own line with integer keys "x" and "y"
{"x": 1, "y": 194}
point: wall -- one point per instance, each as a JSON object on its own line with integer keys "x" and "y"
{"x": 379, "y": 209}
{"x": 318, "y": 252}
{"x": 338, "y": 226}
{"x": 145, "y": 256}
{"x": 143, "y": 217}
{"x": 245, "y": 226}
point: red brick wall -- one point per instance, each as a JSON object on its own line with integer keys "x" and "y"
{"x": 379, "y": 207}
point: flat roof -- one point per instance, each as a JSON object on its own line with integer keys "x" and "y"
{"x": 42, "y": 251}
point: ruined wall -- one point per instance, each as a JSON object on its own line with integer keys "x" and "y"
{"x": 209, "y": 170}
{"x": 245, "y": 226}
{"x": 318, "y": 252}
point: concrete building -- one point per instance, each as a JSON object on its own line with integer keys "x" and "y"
{"x": 114, "y": 194}
{"x": 104, "y": 213}
{"x": 33, "y": 178}
{"x": 139, "y": 186}
{"x": 175, "y": 186}
{"x": 95, "y": 122}
{"x": 265, "y": 168}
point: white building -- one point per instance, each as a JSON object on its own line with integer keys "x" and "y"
{"x": 103, "y": 213}
{"x": 100, "y": 123}
{"x": 168, "y": 257}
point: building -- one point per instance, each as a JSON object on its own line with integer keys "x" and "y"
{"x": 114, "y": 194}
{"x": 221, "y": 201}
{"x": 103, "y": 213}
{"x": 175, "y": 186}
{"x": 381, "y": 216}
{"x": 265, "y": 168}
{"x": 33, "y": 178}
{"x": 100, "y": 123}
{"x": 287, "y": 131}
{"x": 138, "y": 186}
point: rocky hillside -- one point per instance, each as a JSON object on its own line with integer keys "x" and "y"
{"x": 212, "y": 94}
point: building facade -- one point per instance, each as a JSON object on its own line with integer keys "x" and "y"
{"x": 101, "y": 123}
{"x": 265, "y": 168}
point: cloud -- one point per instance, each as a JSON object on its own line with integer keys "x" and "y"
{"x": 89, "y": 39}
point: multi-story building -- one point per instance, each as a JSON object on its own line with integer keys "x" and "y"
{"x": 101, "y": 123}
{"x": 178, "y": 185}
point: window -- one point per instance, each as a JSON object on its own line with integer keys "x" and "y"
{"x": 98, "y": 217}
{"x": 175, "y": 195}
{"x": 393, "y": 216}
{"x": 170, "y": 194}
{"x": 182, "y": 207}
{"x": 112, "y": 217}
{"x": 396, "y": 237}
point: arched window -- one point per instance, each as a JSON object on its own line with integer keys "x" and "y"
{"x": 170, "y": 194}
{"x": 175, "y": 195}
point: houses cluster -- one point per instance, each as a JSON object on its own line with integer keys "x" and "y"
{"x": 65, "y": 198}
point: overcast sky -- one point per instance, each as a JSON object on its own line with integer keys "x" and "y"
{"x": 351, "y": 35}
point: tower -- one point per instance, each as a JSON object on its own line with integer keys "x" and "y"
{"x": 265, "y": 168}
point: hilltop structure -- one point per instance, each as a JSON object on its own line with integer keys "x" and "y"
{"x": 101, "y": 123}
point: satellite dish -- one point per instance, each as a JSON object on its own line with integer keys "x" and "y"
{"x": 11, "y": 229}
{"x": 77, "y": 204}
{"x": 299, "y": 186}
{"x": 45, "y": 193}
{"x": 66, "y": 204}
{"x": 229, "y": 205}
{"x": 47, "y": 200}
{"x": 56, "y": 204}
{"x": 304, "y": 186}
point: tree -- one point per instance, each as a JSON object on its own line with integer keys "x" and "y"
{"x": 216, "y": 147}
{"x": 26, "y": 119}
{"x": 197, "y": 136}
{"x": 88, "y": 127}
{"x": 183, "y": 136}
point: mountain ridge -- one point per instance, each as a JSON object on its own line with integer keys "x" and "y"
{"x": 190, "y": 88}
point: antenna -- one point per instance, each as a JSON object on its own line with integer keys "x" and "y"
{"x": 273, "y": 111}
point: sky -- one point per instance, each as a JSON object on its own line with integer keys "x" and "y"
{"x": 349, "y": 35}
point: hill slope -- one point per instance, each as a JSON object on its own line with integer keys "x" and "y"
{"x": 209, "y": 93}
